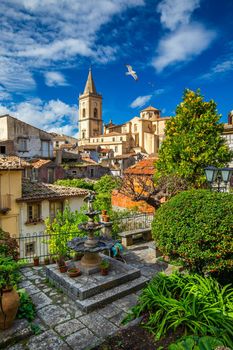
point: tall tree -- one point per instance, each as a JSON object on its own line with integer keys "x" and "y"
{"x": 193, "y": 140}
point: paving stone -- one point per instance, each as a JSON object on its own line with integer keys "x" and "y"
{"x": 116, "y": 319}
{"x": 32, "y": 289}
{"x": 24, "y": 283}
{"x": 69, "y": 327}
{"x": 19, "y": 330}
{"x": 78, "y": 313}
{"x": 52, "y": 315}
{"x": 47, "y": 340}
{"x": 126, "y": 302}
{"x": 82, "y": 340}
{"x": 109, "y": 311}
{"x": 40, "y": 300}
{"x": 98, "y": 324}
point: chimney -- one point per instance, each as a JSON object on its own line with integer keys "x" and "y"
{"x": 59, "y": 156}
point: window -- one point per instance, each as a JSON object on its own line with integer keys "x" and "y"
{"x": 116, "y": 149}
{"x": 84, "y": 113}
{"x": 3, "y": 149}
{"x": 22, "y": 144}
{"x": 84, "y": 134}
{"x": 74, "y": 172}
{"x": 34, "y": 212}
{"x": 57, "y": 143}
{"x": 113, "y": 139}
{"x": 45, "y": 148}
{"x": 91, "y": 172}
{"x": 54, "y": 208}
{"x": 102, "y": 140}
{"x": 95, "y": 113}
{"x": 30, "y": 248}
{"x": 50, "y": 175}
{"x": 121, "y": 138}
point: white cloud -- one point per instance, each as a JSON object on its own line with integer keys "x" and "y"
{"x": 55, "y": 79}
{"x": 219, "y": 68}
{"x": 53, "y": 115}
{"x": 140, "y": 101}
{"x": 4, "y": 95}
{"x": 182, "y": 45}
{"x": 36, "y": 34}
{"x": 176, "y": 12}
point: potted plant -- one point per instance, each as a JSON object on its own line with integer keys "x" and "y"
{"x": 46, "y": 260}
{"x": 74, "y": 272}
{"x": 78, "y": 256}
{"x": 9, "y": 298}
{"x": 104, "y": 267}
{"x": 61, "y": 264}
{"x": 36, "y": 261}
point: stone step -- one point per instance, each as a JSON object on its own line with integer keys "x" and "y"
{"x": 111, "y": 295}
{"x": 86, "y": 286}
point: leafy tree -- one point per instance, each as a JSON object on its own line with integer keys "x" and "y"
{"x": 193, "y": 140}
{"x": 62, "y": 229}
{"x": 106, "y": 184}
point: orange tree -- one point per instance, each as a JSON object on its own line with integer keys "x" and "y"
{"x": 193, "y": 140}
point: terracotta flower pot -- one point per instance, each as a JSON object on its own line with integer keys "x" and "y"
{"x": 36, "y": 261}
{"x": 63, "y": 269}
{"x": 104, "y": 212}
{"x": 74, "y": 272}
{"x": 105, "y": 218}
{"x": 9, "y": 303}
{"x": 104, "y": 272}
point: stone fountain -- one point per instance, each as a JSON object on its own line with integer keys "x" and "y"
{"x": 92, "y": 290}
{"x": 92, "y": 244}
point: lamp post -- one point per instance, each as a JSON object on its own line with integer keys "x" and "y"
{"x": 219, "y": 176}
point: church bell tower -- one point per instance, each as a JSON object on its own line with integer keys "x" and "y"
{"x": 90, "y": 121}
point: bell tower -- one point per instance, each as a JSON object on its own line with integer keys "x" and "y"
{"x": 90, "y": 121}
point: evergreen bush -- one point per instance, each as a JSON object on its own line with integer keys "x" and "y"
{"x": 196, "y": 226}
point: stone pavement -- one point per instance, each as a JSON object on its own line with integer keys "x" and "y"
{"x": 64, "y": 326}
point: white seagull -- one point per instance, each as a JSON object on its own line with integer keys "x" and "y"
{"x": 131, "y": 72}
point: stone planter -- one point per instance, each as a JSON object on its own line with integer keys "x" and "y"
{"x": 9, "y": 303}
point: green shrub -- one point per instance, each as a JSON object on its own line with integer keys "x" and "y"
{"x": 196, "y": 343}
{"x": 189, "y": 303}
{"x": 197, "y": 227}
{"x": 79, "y": 183}
{"x": 26, "y": 307}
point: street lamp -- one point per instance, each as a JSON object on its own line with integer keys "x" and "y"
{"x": 219, "y": 176}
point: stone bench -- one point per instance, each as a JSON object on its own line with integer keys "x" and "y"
{"x": 127, "y": 236}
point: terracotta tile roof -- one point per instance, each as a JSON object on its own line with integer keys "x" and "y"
{"x": 144, "y": 167}
{"x": 89, "y": 160}
{"x": 40, "y": 162}
{"x": 37, "y": 191}
{"x": 125, "y": 156}
{"x": 13, "y": 163}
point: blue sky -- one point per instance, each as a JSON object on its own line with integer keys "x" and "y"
{"x": 47, "y": 47}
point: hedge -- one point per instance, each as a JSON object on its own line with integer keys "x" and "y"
{"x": 196, "y": 227}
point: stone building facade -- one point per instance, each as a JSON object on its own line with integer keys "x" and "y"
{"x": 24, "y": 140}
{"x": 143, "y": 133}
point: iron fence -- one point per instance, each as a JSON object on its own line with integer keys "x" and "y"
{"x": 38, "y": 244}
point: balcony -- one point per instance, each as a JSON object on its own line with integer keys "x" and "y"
{"x": 5, "y": 203}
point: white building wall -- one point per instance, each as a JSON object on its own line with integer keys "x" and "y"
{"x": 35, "y": 232}
{"x": 3, "y": 129}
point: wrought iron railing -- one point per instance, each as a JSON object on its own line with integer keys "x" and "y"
{"x": 37, "y": 243}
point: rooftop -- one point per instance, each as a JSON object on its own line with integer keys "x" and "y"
{"x": 40, "y": 162}
{"x": 144, "y": 167}
{"x": 36, "y": 191}
{"x": 12, "y": 163}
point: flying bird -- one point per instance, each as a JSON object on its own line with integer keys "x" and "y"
{"x": 131, "y": 72}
